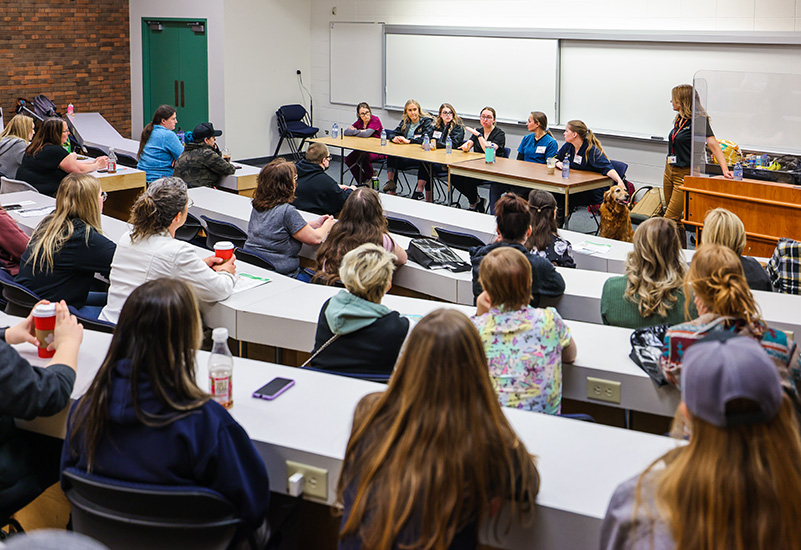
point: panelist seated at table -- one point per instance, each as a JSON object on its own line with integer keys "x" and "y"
{"x": 488, "y": 135}
{"x": 447, "y": 125}
{"x": 367, "y": 125}
{"x": 14, "y": 139}
{"x": 525, "y": 346}
{"x": 413, "y": 127}
{"x": 584, "y": 152}
{"x": 68, "y": 248}
{"x": 316, "y": 191}
{"x": 145, "y": 420}
{"x": 202, "y": 164}
{"x": 355, "y": 332}
{"x": 544, "y": 239}
{"x": 276, "y": 230}
{"x": 537, "y": 146}
{"x": 159, "y": 147}
{"x": 150, "y": 251}
{"x": 46, "y": 162}
{"x": 444, "y": 462}
{"x": 514, "y": 228}
{"x": 13, "y": 242}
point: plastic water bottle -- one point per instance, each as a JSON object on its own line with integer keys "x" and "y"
{"x": 448, "y": 146}
{"x": 383, "y": 138}
{"x": 426, "y": 143}
{"x": 70, "y": 110}
{"x": 221, "y": 369}
{"x": 112, "y": 161}
{"x": 565, "y": 168}
{"x": 738, "y": 172}
{"x": 335, "y": 131}
{"x": 489, "y": 154}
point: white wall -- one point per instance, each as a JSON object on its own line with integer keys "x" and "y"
{"x": 646, "y": 160}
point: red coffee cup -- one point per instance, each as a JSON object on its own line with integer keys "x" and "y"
{"x": 224, "y": 250}
{"x": 44, "y": 322}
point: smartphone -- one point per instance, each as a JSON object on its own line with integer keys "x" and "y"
{"x": 273, "y": 388}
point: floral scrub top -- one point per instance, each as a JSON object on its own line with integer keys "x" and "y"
{"x": 524, "y": 351}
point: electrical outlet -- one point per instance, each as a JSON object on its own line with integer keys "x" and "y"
{"x": 603, "y": 390}
{"x": 316, "y": 479}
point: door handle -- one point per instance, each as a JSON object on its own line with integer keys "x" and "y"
{"x": 182, "y": 93}
{"x": 176, "y": 93}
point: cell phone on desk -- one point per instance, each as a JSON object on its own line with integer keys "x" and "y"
{"x": 9, "y": 207}
{"x": 273, "y": 388}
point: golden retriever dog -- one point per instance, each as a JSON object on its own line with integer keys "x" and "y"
{"x": 615, "y": 219}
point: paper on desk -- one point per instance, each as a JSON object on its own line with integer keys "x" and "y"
{"x": 20, "y": 203}
{"x": 34, "y": 212}
{"x": 590, "y": 247}
{"x": 245, "y": 281}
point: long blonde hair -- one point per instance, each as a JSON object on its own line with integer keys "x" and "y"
{"x": 586, "y": 134}
{"x": 724, "y": 228}
{"x": 435, "y": 449}
{"x": 655, "y": 268}
{"x": 683, "y": 95}
{"x": 20, "y": 126}
{"x": 77, "y": 198}
{"x": 406, "y": 120}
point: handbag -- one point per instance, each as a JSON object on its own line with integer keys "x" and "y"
{"x": 432, "y": 254}
{"x": 646, "y": 350}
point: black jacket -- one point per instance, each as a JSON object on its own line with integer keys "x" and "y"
{"x": 456, "y": 132}
{"x": 317, "y": 192}
{"x": 755, "y": 275}
{"x": 425, "y": 127}
{"x": 545, "y": 280}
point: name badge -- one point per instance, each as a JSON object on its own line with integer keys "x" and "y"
{"x": 577, "y": 160}
{"x": 671, "y": 159}
{"x": 540, "y": 150}
{"x": 437, "y": 134}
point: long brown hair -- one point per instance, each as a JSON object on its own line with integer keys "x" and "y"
{"x": 586, "y": 134}
{"x": 275, "y": 185}
{"x": 435, "y": 448}
{"x": 737, "y": 488}
{"x": 542, "y": 119}
{"x": 156, "y": 208}
{"x": 49, "y": 134}
{"x": 164, "y": 112}
{"x": 541, "y": 206}
{"x": 77, "y": 198}
{"x": 457, "y": 120}
{"x": 166, "y": 309}
{"x": 361, "y": 221}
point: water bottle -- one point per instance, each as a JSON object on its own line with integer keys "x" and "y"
{"x": 448, "y": 146}
{"x": 221, "y": 369}
{"x": 383, "y": 138}
{"x": 112, "y": 161}
{"x": 764, "y": 158}
{"x": 738, "y": 172}
{"x": 181, "y": 136}
{"x": 70, "y": 110}
{"x": 566, "y": 168}
{"x": 426, "y": 143}
{"x": 489, "y": 154}
{"x": 335, "y": 131}
{"x": 375, "y": 182}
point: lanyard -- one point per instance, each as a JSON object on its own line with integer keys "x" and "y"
{"x": 675, "y": 132}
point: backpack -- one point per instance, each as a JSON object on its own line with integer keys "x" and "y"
{"x": 432, "y": 254}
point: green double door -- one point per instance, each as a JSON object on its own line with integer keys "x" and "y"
{"x": 175, "y": 69}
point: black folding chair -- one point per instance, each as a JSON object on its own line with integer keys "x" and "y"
{"x": 455, "y": 239}
{"x": 218, "y": 230}
{"x": 294, "y": 123}
{"x": 403, "y": 227}
{"x": 254, "y": 258}
{"x": 189, "y": 230}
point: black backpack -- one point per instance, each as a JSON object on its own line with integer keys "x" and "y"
{"x": 432, "y": 254}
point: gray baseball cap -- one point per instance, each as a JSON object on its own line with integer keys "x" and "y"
{"x": 724, "y": 367}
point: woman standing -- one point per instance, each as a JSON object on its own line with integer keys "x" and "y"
{"x": 677, "y": 165}
{"x": 68, "y": 248}
{"x": 46, "y": 162}
{"x": 159, "y": 147}
{"x": 433, "y": 456}
{"x": 447, "y": 125}
{"x": 489, "y": 136}
{"x": 16, "y": 136}
{"x": 413, "y": 127}
{"x": 367, "y": 125}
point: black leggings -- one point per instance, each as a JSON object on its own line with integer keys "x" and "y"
{"x": 467, "y": 187}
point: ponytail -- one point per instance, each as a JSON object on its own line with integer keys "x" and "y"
{"x": 541, "y": 205}
{"x": 143, "y": 138}
{"x": 162, "y": 113}
{"x": 594, "y": 142}
{"x": 156, "y": 208}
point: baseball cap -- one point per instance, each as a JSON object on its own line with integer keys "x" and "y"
{"x": 723, "y": 367}
{"x": 205, "y": 130}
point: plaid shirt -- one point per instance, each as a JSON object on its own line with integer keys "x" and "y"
{"x": 784, "y": 267}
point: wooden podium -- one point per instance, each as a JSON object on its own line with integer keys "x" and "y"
{"x": 769, "y": 210}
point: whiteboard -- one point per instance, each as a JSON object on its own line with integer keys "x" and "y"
{"x": 513, "y": 75}
{"x": 355, "y": 58}
{"x": 624, "y": 87}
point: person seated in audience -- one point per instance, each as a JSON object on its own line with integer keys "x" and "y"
{"x": 144, "y": 419}
{"x": 276, "y": 229}
{"x": 544, "y": 239}
{"x": 489, "y": 136}
{"x": 316, "y": 191}
{"x": 514, "y": 229}
{"x": 447, "y": 125}
{"x": 783, "y": 266}
{"x": 14, "y": 139}
{"x": 30, "y": 460}
{"x": 432, "y": 458}
{"x": 46, "y": 162}
{"x": 159, "y": 146}
{"x": 725, "y": 228}
{"x": 367, "y": 125}
{"x": 201, "y": 164}
{"x": 584, "y": 152}
{"x": 651, "y": 292}
{"x": 68, "y": 248}
{"x": 361, "y": 221}
{"x": 742, "y": 462}
{"x": 538, "y": 146}
{"x": 525, "y": 346}
{"x": 413, "y": 127}
{"x": 355, "y": 333}
{"x": 725, "y": 304}
{"x": 150, "y": 251}
{"x": 13, "y": 242}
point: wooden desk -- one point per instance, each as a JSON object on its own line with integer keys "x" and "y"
{"x": 530, "y": 174}
{"x": 243, "y": 181}
{"x": 123, "y": 188}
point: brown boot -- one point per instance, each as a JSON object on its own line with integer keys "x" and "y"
{"x": 390, "y": 187}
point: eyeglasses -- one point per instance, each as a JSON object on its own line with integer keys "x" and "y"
{"x": 486, "y": 117}
{"x": 103, "y": 196}
{"x": 445, "y": 112}
{"x": 328, "y": 158}
{"x": 362, "y": 113}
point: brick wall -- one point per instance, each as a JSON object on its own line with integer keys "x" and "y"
{"x": 72, "y": 51}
